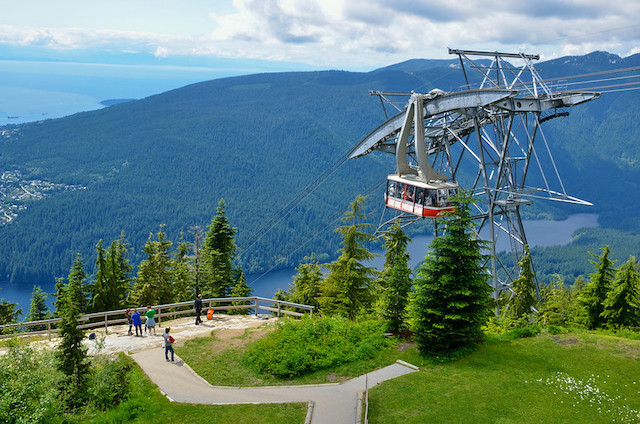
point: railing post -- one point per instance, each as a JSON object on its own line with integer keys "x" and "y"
{"x": 279, "y": 308}
{"x": 159, "y": 318}
{"x": 256, "y": 300}
{"x": 49, "y": 331}
{"x": 106, "y": 323}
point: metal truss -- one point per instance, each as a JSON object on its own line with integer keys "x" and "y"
{"x": 487, "y": 137}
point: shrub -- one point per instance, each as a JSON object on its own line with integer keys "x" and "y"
{"x": 521, "y": 333}
{"x": 28, "y": 386}
{"x": 556, "y": 329}
{"x": 311, "y": 344}
{"x": 110, "y": 381}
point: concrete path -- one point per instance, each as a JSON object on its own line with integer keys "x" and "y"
{"x": 332, "y": 403}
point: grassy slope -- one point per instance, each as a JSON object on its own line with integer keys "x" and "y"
{"x": 582, "y": 378}
{"x": 577, "y": 377}
{"x": 148, "y": 405}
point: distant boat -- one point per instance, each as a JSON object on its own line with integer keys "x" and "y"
{"x": 12, "y": 117}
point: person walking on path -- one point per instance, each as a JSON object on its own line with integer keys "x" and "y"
{"x": 137, "y": 321}
{"x": 151, "y": 322}
{"x": 129, "y": 320}
{"x": 168, "y": 344}
{"x": 198, "y": 306}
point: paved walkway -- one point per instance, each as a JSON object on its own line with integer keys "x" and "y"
{"x": 332, "y": 403}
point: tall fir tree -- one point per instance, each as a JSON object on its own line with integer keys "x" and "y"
{"x": 79, "y": 276}
{"x": 153, "y": 285}
{"x": 555, "y": 306}
{"x": 305, "y": 287}
{"x": 622, "y": 305}
{"x": 59, "y": 295}
{"x": 183, "y": 283}
{"x": 218, "y": 254}
{"x": 524, "y": 289}
{"x": 9, "y": 312}
{"x": 101, "y": 291}
{"x": 395, "y": 283}
{"x": 448, "y": 305}
{"x": 347, "y": 288}
{"x": 71, "y": 354}
{"x": 38, "y": 309}
{"x": 240, "y": 289}
{"x": 596, "y": 291}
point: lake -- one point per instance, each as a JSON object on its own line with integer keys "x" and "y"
{"x": 539, "y": 233}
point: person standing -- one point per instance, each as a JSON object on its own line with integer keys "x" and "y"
{"x": 168, "y": 344}
{"x": 127, "y": 313}
{"x": 151, "y": 322}
{"x": 137, "y": 321}
{"x": 198, "y": 306}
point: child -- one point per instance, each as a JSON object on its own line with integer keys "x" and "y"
{"x": 129, "y": 319}
{"x": 168, "y": 344}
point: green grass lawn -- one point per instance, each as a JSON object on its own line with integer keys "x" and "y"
{"x": 569, "y": 378}
{"x": 148, "y": 405}
{"x": 221, "y": 363}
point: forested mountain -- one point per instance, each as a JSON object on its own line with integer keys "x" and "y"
{"x": 257, "y": 141}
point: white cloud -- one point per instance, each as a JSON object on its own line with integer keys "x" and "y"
{"x": 361, "y": 33}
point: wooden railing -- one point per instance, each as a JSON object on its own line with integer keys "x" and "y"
{"x": 172, "y": 310}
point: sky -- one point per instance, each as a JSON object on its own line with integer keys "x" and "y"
{"x": 66, "y": 56}
{"x": 357, "y": 35}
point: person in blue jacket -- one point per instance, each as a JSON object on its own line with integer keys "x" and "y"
{"x": 137, "y": 321}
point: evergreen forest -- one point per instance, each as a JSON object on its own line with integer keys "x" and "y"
{"x": 151, "y": 172}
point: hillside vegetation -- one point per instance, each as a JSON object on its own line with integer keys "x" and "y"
{"x": 257, "y": 141}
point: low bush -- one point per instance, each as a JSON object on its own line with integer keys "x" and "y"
{"x": 311, "y": 344}
{"x": 520, "y": 333}
{"x": 556, "y": 329}
{"x": 110, "y": 380}
{"x": 29, "y": 382}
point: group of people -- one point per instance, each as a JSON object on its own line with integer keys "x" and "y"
{"x": 135, "y": 320}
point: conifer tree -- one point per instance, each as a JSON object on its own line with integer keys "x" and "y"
{"x": 38, "y": 310}
{"x": 183, "y": 284}
{"x": 79, "y": 277}
{"x": 100, "y": 291}
{"x": 555, "y": 306}
{"x": 448, "y": 304}
{"x": 347, "y": 289}
{"x": 305, "y": 287}
{"x": 59, "y": 295}
{"x": 71, "y": 354}
{"x": 8, "y": 312}
{"x": 595, "y": 293}
{"x": 622, "y": 305}
{"x": 240, "y": 289}
{"x": 218, "y": 254}
{"x": 396, "y": 279}
{"x": 154, "y": 284}
{"x": 524, "y": 289}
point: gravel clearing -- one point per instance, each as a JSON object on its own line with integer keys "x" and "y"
{"x": 117, "y": 339}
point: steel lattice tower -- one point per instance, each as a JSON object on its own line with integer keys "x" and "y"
{"x": 488, "y": 137}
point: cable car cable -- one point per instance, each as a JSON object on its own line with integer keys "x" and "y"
{"x": 288, "y": 208}
{"x": 319, "y": 229}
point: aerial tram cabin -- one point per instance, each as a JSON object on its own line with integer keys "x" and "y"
{"x": 412, "y": 195}
{"x": 423, "y": 191}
